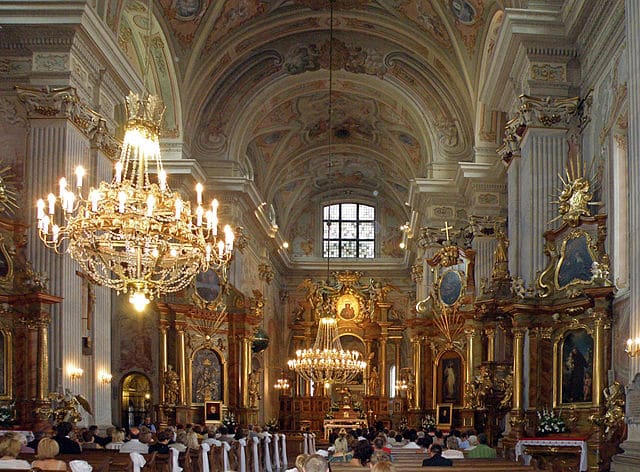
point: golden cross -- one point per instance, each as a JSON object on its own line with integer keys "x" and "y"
{"x": 446, "y": 229}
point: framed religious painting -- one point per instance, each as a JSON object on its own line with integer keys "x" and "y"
{"x": 213, "y": 412}
{"x": 444, "y": 415}
{"x": 208, "y": 286}
{"x": 573, "y": 368}
{"x": 348, "y": 307}
{"x": 576, "y": 260}
{"x": 451, "y": 287}
{"x": 449, "y": 380}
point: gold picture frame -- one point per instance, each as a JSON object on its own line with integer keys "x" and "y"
{"x": 444, "y": 415}
{"x": 573, "y": 268}
{"x": 348, "y": 307}
{"x": 574, "y": 371}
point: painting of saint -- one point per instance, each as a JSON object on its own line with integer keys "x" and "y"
{"x": 208, "y": 285}
{"x": 449, "y": 378}
{"x": 206, "y": 376}
{"x": 347, "y": 307}
{"x": 213, "y": 411}
{"x": 450, "y": 287}
{"x": 577, "y": 367}
{"x": 576, "y": 262}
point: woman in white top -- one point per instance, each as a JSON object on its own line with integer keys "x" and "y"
{"x": 341, "y": 446}
{"x": 9, "y": 450}
{"x": 117, "y": 440}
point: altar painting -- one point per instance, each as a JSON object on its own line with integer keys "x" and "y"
{"x": 576, "y": 259}
{"x": 576, "y": 357}
{"x": 206, "y": 376}
{"x": 449, "y": 379}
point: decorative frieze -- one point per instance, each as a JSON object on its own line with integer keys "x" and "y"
{"x": 548, "y": 72}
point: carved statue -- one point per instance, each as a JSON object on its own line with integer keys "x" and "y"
{"x": 171, "y": 388}
{"x": 374, "y": 381}
{"x": 411, "y": 385}
{"x": 500, "y": 260}
{"x": 614, "y": 409}
{"x": 253, "y": 388}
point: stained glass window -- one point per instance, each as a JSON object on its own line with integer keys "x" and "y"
{"x": 349, "y": 230}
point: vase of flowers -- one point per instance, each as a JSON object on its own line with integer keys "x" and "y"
{"x": 6, "y": 415}
{"x": 550, "y": 423}
{"x": 229, "y": 422}
{"x": 428, "y": 421}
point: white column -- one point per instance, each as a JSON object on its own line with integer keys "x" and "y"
{"x": 544, "y": 152}
{"x": 513, "y": 195}
{"x": 484, "y": 247}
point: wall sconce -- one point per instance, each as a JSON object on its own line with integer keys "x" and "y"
{"x": 633, "y": 347}
{"x": 104, "y": 377}
{"x": 74, "y": 372}
{"x": 282, "y": 384}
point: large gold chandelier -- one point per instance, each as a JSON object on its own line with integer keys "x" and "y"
{"x": 326, "y": 362}
{"x": 133, "y": 235}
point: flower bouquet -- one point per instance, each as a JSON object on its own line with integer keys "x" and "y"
{"x": 428, "y": 421}
{"x": 550, "y": 423}
{"x": 6, "y": 415}
{"x": 229, "y": 421}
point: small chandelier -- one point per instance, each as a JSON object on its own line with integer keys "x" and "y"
{"x": 282, "y": 384}
{"x": 133, "y": 235}
{"x": 326, "y": 362}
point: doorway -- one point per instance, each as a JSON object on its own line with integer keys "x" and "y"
{"x": 136, "y": 399}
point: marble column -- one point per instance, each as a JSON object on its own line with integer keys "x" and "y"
{"x": 544, "y": 154}
{"x": 630, "y": 459}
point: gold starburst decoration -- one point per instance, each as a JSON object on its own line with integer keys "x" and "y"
{"x": 575, "y": 195}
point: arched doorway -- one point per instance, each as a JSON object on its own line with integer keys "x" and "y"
{"x": 136, "y": 399}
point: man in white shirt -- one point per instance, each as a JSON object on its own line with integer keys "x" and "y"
{"x": 134, "y": 444}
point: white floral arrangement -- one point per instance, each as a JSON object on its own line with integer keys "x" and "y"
{"x": 550, "y": 423}
{"x": 6, "y": 415}
{"x": 229, "y": 421}
{"x": 272, "y": 424}
{"x": 428, "y": 421}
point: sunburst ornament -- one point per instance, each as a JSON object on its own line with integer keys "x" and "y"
{"x": 8, "y": 194}
{"x": 576, "y": 194}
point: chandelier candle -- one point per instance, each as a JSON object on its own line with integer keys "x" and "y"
{"x": 131, "y": 234}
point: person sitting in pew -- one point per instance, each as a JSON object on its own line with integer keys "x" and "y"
{"x": 47, "y": 450}
{"x": 300, "y": 460}
{"x": 9, "y": 450}
{"x": 117, "y": 440}
{"x": 161, "y": 446}
{"x": 362, "y": 453}
{"x": 134, "y": 444}
{"x": 482, "y": 450}
{"x": 62, "y": 437}
{"x": 452, "y": 451}
{"x": 316, "y": 463}
{"x": 435, "y": 458}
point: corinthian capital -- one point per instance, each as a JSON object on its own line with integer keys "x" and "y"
{"x": 548, "y": 112}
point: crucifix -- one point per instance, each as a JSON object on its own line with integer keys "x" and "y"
{"x": 446, "y": 230}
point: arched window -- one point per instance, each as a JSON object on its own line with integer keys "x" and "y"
{"x": 349, "y": 230}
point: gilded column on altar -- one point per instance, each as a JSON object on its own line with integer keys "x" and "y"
{"x": 43, "y": 358}
{"x": 518, "y": 373}
{"x": 417, "y": 369}
{"x": 163, "y": 359}
{"x": 182, "y": 364}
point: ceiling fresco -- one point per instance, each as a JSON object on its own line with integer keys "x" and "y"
{"x": 253, "y": 77}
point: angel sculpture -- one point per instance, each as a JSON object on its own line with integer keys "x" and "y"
{"x": 65, "y": 407}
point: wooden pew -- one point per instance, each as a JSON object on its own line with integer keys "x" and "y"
{"x": 465, "y": 465}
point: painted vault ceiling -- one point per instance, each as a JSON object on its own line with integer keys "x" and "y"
{"x": 253, "y": 80}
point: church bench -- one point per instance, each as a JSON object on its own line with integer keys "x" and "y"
{"x": 497, "y": 465}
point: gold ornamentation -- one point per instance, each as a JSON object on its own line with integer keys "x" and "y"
{"x": 613, "y": 410}
{"x": 547, "y": 112}
{"x": 417, "y": 273}
{"x": 64, "y": 407}
{"x": 130, "y": 234}
{"x": 546, "y": 72}
{"x": 265, "y": 272}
